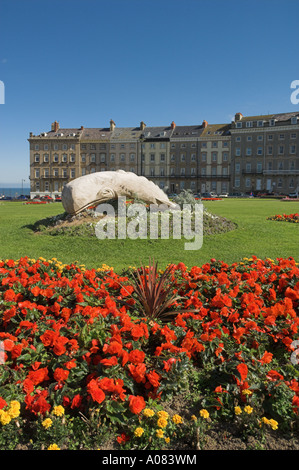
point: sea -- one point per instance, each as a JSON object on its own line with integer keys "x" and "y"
{"x": 14, "y": 192}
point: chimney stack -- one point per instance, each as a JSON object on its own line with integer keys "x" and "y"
{"x": 55, "y": 126}
{"x": 142, "y": 126}
{"x": 112, "y": 125}
{"x": 172, "y": 125}
{"x": 204, "y": 123}
{"x": 238, "y": 116}
{"x": 81, "y": 128}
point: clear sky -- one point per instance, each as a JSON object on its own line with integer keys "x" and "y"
{"x": 85, "y": 62}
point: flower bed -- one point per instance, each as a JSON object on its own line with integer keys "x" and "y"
{"x": 80, "y": 358}
{"x": 293, "y": 218}
{"x": 211, "y": 199}
{"x": 37, "y": 202}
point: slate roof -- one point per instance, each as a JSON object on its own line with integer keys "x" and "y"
{"x": 66, "y": 133}
{"x": 158, "y": 132}
{"x": 266, "y": 117}
{"x": 125, "y": 133}
{"x": 95, "y": 133}
{"x": 187, "y": 131}
{"x": 216, "y": 129}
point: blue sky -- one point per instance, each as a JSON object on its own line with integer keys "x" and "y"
{"x": 85, "y": 62}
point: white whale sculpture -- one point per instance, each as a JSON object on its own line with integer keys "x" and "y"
{"x": 96, "y": 188}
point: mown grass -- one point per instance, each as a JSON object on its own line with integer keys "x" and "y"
{"x": 254, "y": 235}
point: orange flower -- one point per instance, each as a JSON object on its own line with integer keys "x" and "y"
{"x": 136, "y": 356}
{"x": 137, "y": 372}
{"x": 243, "y": 370}
{"x": 136, "y": 404}
{"x": 35, "y": 291}
{"x": 96, "y": 393}
{"x": 153, "y": 378}
{"x": 267, "y": 358}
{"x": 113, "y": 348}
{"x": 61, "y": 375}
{"x": 112, "y": 361}
{"x": 9, "y": 296}
{"x": 126, "y": 291}
{"x": 274, "y": 375}
{"x": 38, "y": 376}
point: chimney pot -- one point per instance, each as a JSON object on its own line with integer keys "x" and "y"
{"x": 112, "y": 125}
{"x": 142, "y": 126}
{"x": 173, "y": 124}
{"x": 204, "y": 123}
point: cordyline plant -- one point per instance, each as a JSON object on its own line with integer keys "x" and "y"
{"x": 154, "y": 292}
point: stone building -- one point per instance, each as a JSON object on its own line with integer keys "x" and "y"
{"x": 264, "y": 153}
{"x": 250, "y": 154}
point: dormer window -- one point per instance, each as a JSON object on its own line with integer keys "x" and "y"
{"x": 272, "y": 122}
{"x": 260, "y": 123}
{"x": 294, "y": 120}
{"x": 238, "y": 124}
{"x": 249, "y": 124}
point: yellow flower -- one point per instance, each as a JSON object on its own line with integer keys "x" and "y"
{"x": 246, "y": 391}
{"x": 204, "y": 414}
{"x": 160, "y": 433}
{"x": 148, "y": 413}
{"x": 265, "y": 420}
{"x": 15, "y": 404}
{"x": 14, "y": 410}
{"x": 53, "y": 447}
{"x": 177, "y": 419}
{"x": 138, "y": 432}
{"x": 163, "y": 414}
{"x": 273, "y": 424}
{"x": 5, "y": 418}
{"x": 58, "y": 410}
{"x": 238, "y": 410}
{"x": 47, "y": 423}
{"x": 194, "y": 418}
{"x": 162, "y": 422}
{"x": 167, "y": 440}
{"x": 248, "y": 409}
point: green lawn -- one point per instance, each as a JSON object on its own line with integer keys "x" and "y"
{"x": 254, "y": 236}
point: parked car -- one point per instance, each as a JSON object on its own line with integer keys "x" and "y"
{"x": 223, "y": 195}
{"x": 47, "y": 198}
{"x": 213, "y": 194}
{"x": 206, "y": 195}
{"x": 293, "y": 195}
{"x": 58, "y": 198}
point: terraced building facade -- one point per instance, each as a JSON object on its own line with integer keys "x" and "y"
{"x": 251, "y": 154}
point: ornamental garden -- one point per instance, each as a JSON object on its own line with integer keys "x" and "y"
{"x": 138, "y": 344}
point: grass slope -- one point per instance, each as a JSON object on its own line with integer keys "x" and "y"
{"x": 254, "y": 236}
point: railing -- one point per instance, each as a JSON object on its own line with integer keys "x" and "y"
{"x": 270, "y": 172}
{"x": 201, "y": 176}
{"x": 281, "y": 172}
{"x": 252, "y": 172}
